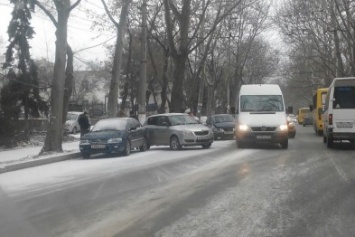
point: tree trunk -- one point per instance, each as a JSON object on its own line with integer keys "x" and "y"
{"x": 69, "y": 77}
{"x": 177, "y": 96}
{"x": 117, "y": 61}
{"x": 128, "y": 74}
{"x": 53, "y": 141}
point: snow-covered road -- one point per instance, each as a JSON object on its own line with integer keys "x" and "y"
{"x": 306, "y": 190}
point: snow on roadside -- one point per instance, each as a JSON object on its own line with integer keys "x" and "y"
{"x": 24, "y": 154}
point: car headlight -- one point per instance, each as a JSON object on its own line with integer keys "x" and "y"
{"x": 283, "y": 127}
{"x": 243, "y": 127}
{"x": 114, "y": 140}
{"x": 84, "y": 142}
{"x": 187, "y": 133}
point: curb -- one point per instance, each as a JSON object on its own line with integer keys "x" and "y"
{"x": 39, "y": 162}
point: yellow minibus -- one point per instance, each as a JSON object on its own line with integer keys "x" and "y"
{"x": 317, "y": 109}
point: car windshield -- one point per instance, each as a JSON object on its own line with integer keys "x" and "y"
{"x": 72, "y": 117}
{"x": 181, "y": 119}
{"x": 223, "y": 118}
{"x": 110, "y": 124}
{"x": 261, "y": 103}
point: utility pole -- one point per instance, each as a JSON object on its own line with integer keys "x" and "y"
{"x": 143, "y": 74}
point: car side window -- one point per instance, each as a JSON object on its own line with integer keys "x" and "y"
{"x": 133, "y": 123}
{"x": 161, "y": 120}
{"x": 152, "y": 121}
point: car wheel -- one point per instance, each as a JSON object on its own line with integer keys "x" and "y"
{"x": 284, "y": 144}
{"x": 86, "y": 155}
{"x": 206, "y": 146}
{"x": 75, "y": 130}
{"x": 174, "y": 143}
{"x": 127, "y": 149}
{"x": 144, "y": 146}
{"x": 330, "y": 142}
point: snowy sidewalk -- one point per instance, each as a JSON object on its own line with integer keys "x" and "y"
{"x": 19, "y": 158}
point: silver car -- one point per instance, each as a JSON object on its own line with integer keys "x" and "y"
{"x": 177, "y": 130}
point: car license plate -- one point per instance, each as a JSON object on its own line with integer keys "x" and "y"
{"x": 344, "y": 125}
{"x": 263, "y": 137}
{"x": 97, "y": 146}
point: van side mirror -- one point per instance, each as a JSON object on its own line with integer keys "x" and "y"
{"x": 310, "y": 107}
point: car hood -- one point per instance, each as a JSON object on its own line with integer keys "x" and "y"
{"x": 103, "y": 134}
{"x": 262, "y": 119}
{"x": 224, "y": 125}
{"x": 191, "y": 127}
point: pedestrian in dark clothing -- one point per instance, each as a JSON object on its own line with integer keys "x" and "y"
{"x": 84, "y": 124}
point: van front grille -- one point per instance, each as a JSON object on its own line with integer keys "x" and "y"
{"x": 263, "y": 129}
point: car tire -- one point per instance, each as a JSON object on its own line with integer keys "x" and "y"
{"x": 85, "y": 155}
{"x": 144, "y": 146}
{"x": 174, "y": 143}
{"x": 284, "y": 144}
{"x": 330, "y": 142}
{"x": 75, "y": 130}
{"x": 127, "y": 149}
{"x": 292, "y": 135}
{"x": 206, "y": 146}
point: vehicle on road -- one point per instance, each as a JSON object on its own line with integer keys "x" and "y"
{"x": 292, "y": 118}
{"x": 308, "y": 119}
{"x": 71, "y": 124}
{"x": 114, "y": 135}
{"x": 317, "y": 109}
{"x": 177, "y": 130}
{"x": 339, "y": 112}
{"x": 261, "y": 115}
{"x": 222, "y": 126}
{"x": 302, "y": 112}
{"x": 291, "y": 127}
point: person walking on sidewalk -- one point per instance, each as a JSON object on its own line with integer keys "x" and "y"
{"x": 84, "y": 123}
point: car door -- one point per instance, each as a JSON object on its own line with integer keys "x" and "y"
{"x": 133, "y": 132}
{"x": 163, "y": 130}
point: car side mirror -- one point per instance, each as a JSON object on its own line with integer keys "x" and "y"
{"x": 165, "y": 124}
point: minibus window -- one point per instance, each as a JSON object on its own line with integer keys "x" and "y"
{"x": 344, "y": 97}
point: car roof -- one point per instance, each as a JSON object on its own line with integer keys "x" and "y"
{"x": 167, "y": 114}
{"x": 221, "y": 115}
{"x": 75, "y": 112}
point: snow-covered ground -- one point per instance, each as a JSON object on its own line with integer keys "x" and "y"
{"x": 22, "y": 154}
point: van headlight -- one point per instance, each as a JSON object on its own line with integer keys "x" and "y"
{"x": 114, "y": 140}
{"x": 283, "y": 127}
{"x": 243, "y": 127}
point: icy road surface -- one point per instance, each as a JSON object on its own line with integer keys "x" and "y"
{"x": 263, "y": 190}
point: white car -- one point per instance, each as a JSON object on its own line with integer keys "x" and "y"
{"x": 71, "y": 124}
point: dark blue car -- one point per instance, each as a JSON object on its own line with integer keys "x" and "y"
{"x": 222, "y": 126}
{"x": 114, "y": 135}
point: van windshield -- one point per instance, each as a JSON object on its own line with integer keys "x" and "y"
{"x": 344, "y": 97}
{"x": 261, "y": 103}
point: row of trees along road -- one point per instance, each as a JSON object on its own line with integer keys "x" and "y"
{"x": 321, "y": 37}
{"x": 199, "y": 52}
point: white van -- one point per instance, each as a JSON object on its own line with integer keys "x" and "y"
{"x": 261, "y": 115}
{"x": 339, "y": 111}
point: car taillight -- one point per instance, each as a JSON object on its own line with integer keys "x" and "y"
{"x": 330, "y": 119}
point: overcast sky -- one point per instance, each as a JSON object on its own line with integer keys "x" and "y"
{"x": 79, "y": 33}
